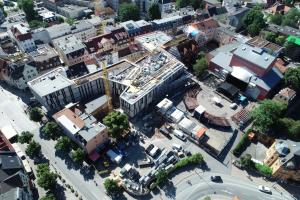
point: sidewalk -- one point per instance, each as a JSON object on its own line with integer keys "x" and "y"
{"x": 216, "y": 197}
{"x": 242, "y": 174}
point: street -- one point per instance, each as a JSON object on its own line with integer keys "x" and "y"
{"x": 198, "y": 185}
{"x": 12, "y": 114}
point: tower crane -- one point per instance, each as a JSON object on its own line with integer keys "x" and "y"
{"x": 106, "y": 85}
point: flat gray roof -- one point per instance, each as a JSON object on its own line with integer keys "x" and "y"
{"x": 254, "y": 55}
{"x": 95, "y": 104}
{"x": 91, "y": 128}
{"x": 69, "y": 44}
{"x": 50, "y": 82}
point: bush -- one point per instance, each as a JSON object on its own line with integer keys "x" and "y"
{"x": 25, "y": 137}
{"x": 264, "y": 169}
{"x": 35, "y": 114}
{"x": 111, "y": 186}
{"x": 161, "y": 177}
{"x": 191, "y": 160}
{"x": 242, "y": 145}
{"x": 103, "y": 172}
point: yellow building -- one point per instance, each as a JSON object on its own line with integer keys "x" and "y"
{"x": 284, "y": 159}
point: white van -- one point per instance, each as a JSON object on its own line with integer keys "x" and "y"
{"x": 154, "y": 151}
{"x": 176, "y": 147}
{"x": 179, "y": 134}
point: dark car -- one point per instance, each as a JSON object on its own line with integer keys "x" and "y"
{"x": 165, "y": 132}
{"x": 149, "y": 148}
{"x": 216, "y": 178}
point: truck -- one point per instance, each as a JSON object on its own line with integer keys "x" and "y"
{"x": 114, "y": 157}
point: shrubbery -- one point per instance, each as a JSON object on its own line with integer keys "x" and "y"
{"x": 242, "y": 145}
{"x": 264, "y": 169}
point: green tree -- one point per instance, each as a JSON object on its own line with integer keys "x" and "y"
{"x": 253, "y": 29}
{"x": 292, "y": 78}
{"x": 28, "y": 7}
{"x": 47, "y": 180}
{"x": 35, "y": 114}
{"x": 254, "y": 21}
{"x": 280, "y": 40}
{"x": 267, "y": 115}
{"x": 247, "y": 162}
{"x": 42, "y": 169}
{"x": 111, "y": 186}
{"x": 291, "y": 18}
{"x": 37, "y": 24}
{"x": 290, "y": 127}
{"x": 154, "y": 11}
{"x": 63, "y": 144}
{"x": 48, "y": 196}
{"x": 70, "y": 21}
{"x": 33, "y": 149}
{"x": 161, "y": 177}
{"x": 182, "y": 3}
{"x": 128, "y": 11}
{"x": 200, "y": 66}
{"x": 52, "y": 130}
{"x": 276, "y": 19}
{"x": 61, "y": 19}
{"x": 117, "y": 123}
{"x": 196, "y": 4}
{"x": 270, "y": 36}
{"x": 25, "y": 137}
{"x": 78, "y": 155}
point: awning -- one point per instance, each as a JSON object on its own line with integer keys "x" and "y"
{"x": 228, "y": 90}
{"x": 241, "y": 74}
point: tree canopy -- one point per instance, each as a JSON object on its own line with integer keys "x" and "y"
{"x": 46, "y": 178}
{"x": 267, "y": 115}
{"x": 128, "y": 11}
{"x": 291, "y": 18}
{"x": 196, "y": 4}
{"x": 161, "y": 177}
{"x": 247, "y": 162}
{"x": 111, "y": 186}
{"x": 52, "y": 130}
{"x": 48, "y": 196}
{"x": 182, "y": 3}
{"x": 117, "y": 123}
{"x": 276, "y": 19}
{"x": 35, "y": 114}
{"x": 154, "y": 11}
{"x": 28, "y": 7}
{"x": 78, "y": 155}
{"x": 200, "y": 66}
{"x": 33, "y": 149}
{"x": 37, "y": 24}
{"x": 70, "y": 21}
{"x": 63, "y": 144}
{"x": 290, "y": 127}
{"x": 254, "y": 21}
{"x": 292, "y": 78}
{"x": 25, "y": 137}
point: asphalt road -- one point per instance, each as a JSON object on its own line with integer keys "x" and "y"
{"x": 199, "y": 185}
{"x": 12, "y": 114}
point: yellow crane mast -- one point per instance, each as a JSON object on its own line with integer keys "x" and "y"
{"x": 106, "y": 85}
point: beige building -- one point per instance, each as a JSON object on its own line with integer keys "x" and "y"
{"x": 284, "y": 159}
{"x": 82, "y": 128}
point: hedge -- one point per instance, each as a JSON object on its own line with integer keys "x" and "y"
{"x": 242, "y": 145}
{"x": 190, "y": 160}
{"x": 264, "y": 169}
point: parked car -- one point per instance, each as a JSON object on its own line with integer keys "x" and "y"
{"x": 165, "y": 132}
{"x": 176, "y": 147}
{"x": 264, "y": 189}
{"x": 154, "y": 151}
{"x": 216, "y": 178}
{"x": 179, "y": 134}
{"x": 149, "y": 148}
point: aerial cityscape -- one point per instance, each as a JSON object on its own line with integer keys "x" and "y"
{"x": 150, "y": 99}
